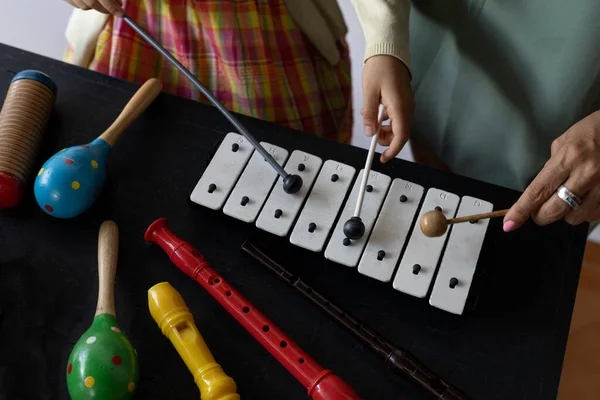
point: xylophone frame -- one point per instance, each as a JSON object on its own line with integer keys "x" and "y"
{"x": 243, "y": 186}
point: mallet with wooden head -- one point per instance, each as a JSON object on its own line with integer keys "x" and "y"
{"x": 434, "y": 223}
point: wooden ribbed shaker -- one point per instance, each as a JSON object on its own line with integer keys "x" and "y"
{"x": 23, "y": 119}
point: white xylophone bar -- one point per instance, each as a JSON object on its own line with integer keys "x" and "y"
{"x": 420, "y": 260}
{"x": 391, "y": 230}
{"x": 281, "y": 208}
{"x": 222, "y": 172}
{"x": 323, "y": 205}
{"x": 343, "y": 250}
{"x": 455, "y": 275}
{"x": 255, "y": 183}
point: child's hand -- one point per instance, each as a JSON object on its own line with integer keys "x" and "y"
{"x": 386, "y": 81}
{"x": 104, "y": 6}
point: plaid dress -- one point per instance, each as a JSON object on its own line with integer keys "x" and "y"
{"x": 249, "y": 53}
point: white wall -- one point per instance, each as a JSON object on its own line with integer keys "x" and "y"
{"x": 35, "y": 25}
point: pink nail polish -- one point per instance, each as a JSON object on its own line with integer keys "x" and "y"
{"x": 368, "y": 131}
{"x": 509, "y": 226}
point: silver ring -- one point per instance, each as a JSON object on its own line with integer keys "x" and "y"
{"x": 568, "y": 197}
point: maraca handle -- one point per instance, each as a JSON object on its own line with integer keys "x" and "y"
{"x": 137, "y": 105}
{"x": 108, "y": 253}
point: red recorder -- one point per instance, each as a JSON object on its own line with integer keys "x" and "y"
{"x": 321, "y": 383}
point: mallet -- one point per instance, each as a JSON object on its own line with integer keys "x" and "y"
{"x": 434, "y": 223}
{"x": 354, "y": 228}
{"x": 291, "y": 183}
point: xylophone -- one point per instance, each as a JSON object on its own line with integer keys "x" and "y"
{"x": 239, "y": 182}
{"x": 244, "y": 171}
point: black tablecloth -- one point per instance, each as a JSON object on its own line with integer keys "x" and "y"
{"x": 508, "y": 345}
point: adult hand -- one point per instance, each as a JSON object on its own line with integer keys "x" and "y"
{"x": 574, "y": 163}
{"x": 104, "y": 6}
{"x": 386, "y": 81}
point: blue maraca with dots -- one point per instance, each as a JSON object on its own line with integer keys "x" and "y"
{"x": 71, "y": 180}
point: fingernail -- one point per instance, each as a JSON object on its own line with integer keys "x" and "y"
{"x": 509, "y": 226}
{"x": 368, "y": 130}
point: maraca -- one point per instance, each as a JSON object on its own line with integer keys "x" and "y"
{"x": 71, "y": 180}
{"x": 103, "y": 363}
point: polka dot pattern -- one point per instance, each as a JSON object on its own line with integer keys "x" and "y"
{"x": 41, "y": 171}
{"x": 89, "y": 381}
{"x": 48, "y": 208}
{"x": 103, "y": 363}
{"x": 70, "y": 179}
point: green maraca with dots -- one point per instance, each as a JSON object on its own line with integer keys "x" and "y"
{"x": 103, "y": 363}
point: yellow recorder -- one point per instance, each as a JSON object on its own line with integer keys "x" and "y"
{"x": 177, "y": 323}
